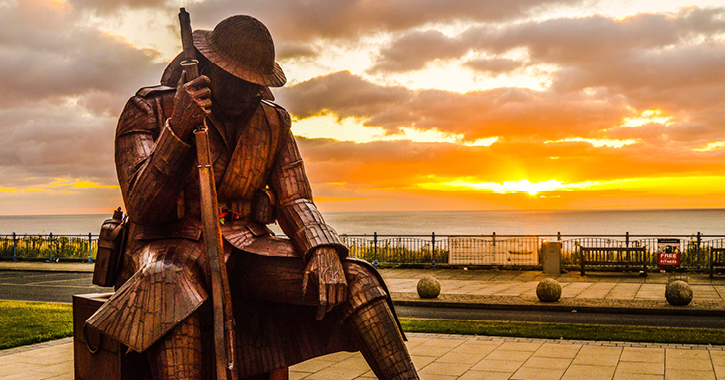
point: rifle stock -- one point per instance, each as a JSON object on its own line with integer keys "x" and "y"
{"x": 224, "y": 325}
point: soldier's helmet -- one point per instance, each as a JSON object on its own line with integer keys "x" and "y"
{"x": 242, "y": 46}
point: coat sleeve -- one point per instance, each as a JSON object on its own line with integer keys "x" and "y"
{"x": 152, "y": 163}
{"x": 297, "y": 214}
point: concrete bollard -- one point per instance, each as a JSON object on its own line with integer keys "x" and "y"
{"x": 429, "y": 287}
{"x": 678, "y": 293}
{"x": 548, "y": 290}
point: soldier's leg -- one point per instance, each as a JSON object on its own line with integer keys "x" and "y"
{"x": 366, "y": 312}
{"x": 373, "y": 326}
{"x": 177, "y": 356}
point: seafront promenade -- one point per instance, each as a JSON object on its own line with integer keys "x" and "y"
{"x": 470, "y": 357}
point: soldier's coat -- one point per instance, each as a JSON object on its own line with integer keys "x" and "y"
{"x": 164, "y": 276}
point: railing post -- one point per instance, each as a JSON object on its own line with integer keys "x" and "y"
{"x": 15, "y": 248}
{"x": 51, "y": 248}
{"x": 493, "y": 245}
{"x": 433, "y": 249}
{"x": 375, "y": 249}
{"x": 626, "y": 244}
{"x": 90, "y": 257}
{"x": 699, "y": 240}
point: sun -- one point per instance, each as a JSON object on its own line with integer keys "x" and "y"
{"x": 533, "y": 188}
{"x": 507, "y": 187}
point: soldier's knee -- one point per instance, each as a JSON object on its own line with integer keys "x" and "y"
{"x": 364, "y": 286}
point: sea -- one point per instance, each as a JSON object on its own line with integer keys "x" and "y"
{"x": 669, "y": 222}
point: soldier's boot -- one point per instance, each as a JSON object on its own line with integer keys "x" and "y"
{"x": 376, "y": 333}
{"x": 177, "y": 356}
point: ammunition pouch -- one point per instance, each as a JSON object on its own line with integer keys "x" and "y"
{"x": 110, "y": 249}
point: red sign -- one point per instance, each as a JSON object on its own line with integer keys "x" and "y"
{"x": 668, "y": 258}
{"x": 668, "y": 252}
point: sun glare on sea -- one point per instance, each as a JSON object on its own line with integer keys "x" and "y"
{"x": 520, "y": 186}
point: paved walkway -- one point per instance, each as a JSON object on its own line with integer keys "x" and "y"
{"x": 600, "y": 291}
{"x": 448, "y": 357}
{"x": 465, "y": 357}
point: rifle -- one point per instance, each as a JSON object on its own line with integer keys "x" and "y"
{"x": 224, "y": 325}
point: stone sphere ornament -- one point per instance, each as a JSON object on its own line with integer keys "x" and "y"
{"x": 548, "y": 290}
{"x": 678, "y": 293}
{"x": 429, "y": 287}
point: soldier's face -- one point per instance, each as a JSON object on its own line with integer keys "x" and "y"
{"x": 228, "y": 91}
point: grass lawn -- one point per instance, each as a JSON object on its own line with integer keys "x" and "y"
{"x": 572, "y": 331}
{"x": 24, "y": 323}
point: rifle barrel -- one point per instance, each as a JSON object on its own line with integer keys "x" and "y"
{"x": 187, "y": 42}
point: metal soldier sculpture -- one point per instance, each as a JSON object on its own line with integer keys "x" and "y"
{"x": 293, "y": 299}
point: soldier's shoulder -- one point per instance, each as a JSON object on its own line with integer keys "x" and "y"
{"x": 158, "y": 90}
{"x": 271, "y": 104}
{"x": 155, "y": 101}
{"x": 282, "y": 114}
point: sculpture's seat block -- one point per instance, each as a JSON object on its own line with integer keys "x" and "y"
{"x": 99, "y": 357}
{"x": 95, "y": 357}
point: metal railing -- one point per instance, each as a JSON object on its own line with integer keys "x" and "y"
{"x": 50, "y": 247}
{"x": 694, "y": 250}
{"x": 519, "y": 250}
{"x": 398, "y": 249}
{"x": 422, "y": 250}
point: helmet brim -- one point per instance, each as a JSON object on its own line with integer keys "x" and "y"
{"x": 272, "y": 77}
{"x": 172, "y": 73}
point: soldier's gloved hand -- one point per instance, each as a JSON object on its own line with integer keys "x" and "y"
{"x": 192, "y": 104}
{"x": 325, "y": 268}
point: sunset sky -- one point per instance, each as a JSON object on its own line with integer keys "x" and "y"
{"x": 396, "y": 104}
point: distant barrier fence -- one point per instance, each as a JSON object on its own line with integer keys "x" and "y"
{"x": 52, "y": 248}
{"x": 524, "y": 250}
{"x": 424, "y": 250}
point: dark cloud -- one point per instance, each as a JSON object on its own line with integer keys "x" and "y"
{"x": 295, "y": 25}
{"x": 108, "y": 6}
{"x": 494, "y": 66}
{"x": 47, "y": 141}
{"x": 343, "y": 94}
{"x": 294, "y": 20}
{"x": 291, "y": 51}
{"x": 60, "y": 59}
{"x": 573, "y": 42}
{"x": 498, "y": 112}
{"x": 671, "y": 62}
{"x": 64, "y": 87}
{"x": 413, "y": 50}
{"x": 643, "y": 74}
{"x": 576, "y": 40}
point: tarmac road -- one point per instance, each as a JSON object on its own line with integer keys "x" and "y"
{"x": 562, "y": 317}
{"x": 46, "y": 286}
{"x": 61, "y": 286}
